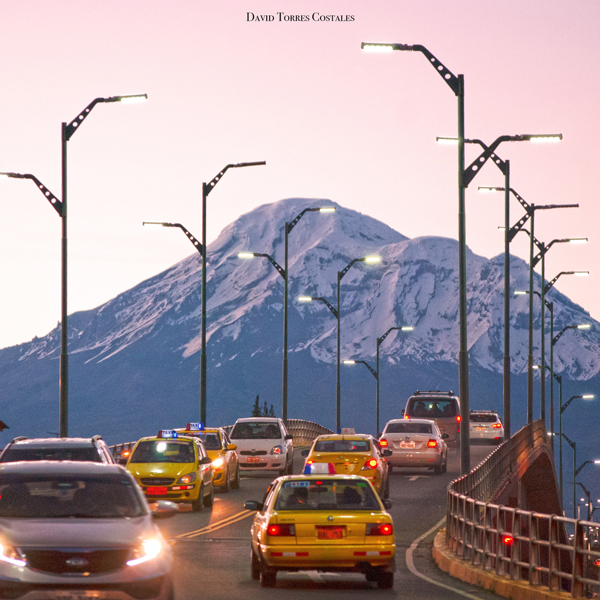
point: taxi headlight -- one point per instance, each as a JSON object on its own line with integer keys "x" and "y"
{"x": 277, "y": 450}
{"x": 11, "y": 555}
{"x": 218, "y": 462}
{"x": 187, "y": 478}
{"x": 149, "y": 549}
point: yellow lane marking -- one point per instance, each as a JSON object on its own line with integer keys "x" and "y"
{"x": 218, "y": 525}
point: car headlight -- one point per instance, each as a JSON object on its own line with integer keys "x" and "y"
{"x": 277, "y": 450}
{"x": 187, "y": 478}
{"x": 147, "y": 550}
{"x": 11, "y": 555}
{"x": 218, "y": 463}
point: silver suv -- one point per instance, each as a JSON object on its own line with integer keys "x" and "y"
{"x": 80, "y": 529}
{"x": 88, "y": 449}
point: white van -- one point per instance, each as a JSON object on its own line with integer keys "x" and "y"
{"x": 263, "y": 443}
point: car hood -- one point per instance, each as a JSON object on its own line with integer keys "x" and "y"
{"x": 76, "y": 533}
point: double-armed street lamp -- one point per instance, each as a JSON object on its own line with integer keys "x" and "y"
{"x": 284, "y": 273}
{"x": 337, "y": 312}
{"x": 207, "y": 188}
{"x": 67, "y": 131}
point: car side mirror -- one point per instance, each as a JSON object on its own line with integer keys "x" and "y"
{"x": 304, "y": 452}
{"x": 402, "y": 413}
{"x": 253, "y": 505}
{"x": 205, "y": 460}
{"x": 289, "y": 436}
{"x": 164, "y": 509}
{"x": 231, "y": 446}
{"x": 386, "y": 453}
{"x": 387, "y": 504}
{"x": 445, "y": 436}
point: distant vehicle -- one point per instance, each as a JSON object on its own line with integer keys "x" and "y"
{"x": 441, "y": 407}
{"x": 263, "y": 443}
{"x": 323, "y": 523}
{"x": 415, "y": 443}
{"x": 225, "y": 461}
{"x": 80, "y": 449}
{"x": 485, "y": 425}
{"x": 357, "y": 454}
{"x": 80, "y": 530}
{"x": 173, "y": 467}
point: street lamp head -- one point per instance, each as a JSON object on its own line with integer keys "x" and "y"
{"x": 488, "y": 189}
{"x": 449, "y": 141}
{"x": 131, "y": 99}
{"x": 376, "y": 47}
{"x": 584, "y": 326}
{"x": 577, "y": 240}
{"x": 372, "y": 259}
{"x": 597, "y": 462}
{"x": 327, "y": 209}
{"x": 245, "y": 254}
{"x": 581, "y": 273}
{"x": 543, "y": 139}
{"x": 249, "y": 164}
{"x": 349, "y": 362}
{"x": 305, "y": 299}
{"x": 407, "y": 328}
{"x": 153, "y": 224}
{"x": 521, "y": 293}
{"x": 587, "y": 396}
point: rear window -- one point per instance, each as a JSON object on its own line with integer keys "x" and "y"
{"x": 342, "y": 446}
{"x": 330, "y": 494}
{"x": 256, "y": 430}
{"x": 431, "y": 408}
{"x": 408, "y": 428}
{"x": 14, "y": 454}
{"x": 482, "y": 418}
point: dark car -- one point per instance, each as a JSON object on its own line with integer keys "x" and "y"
{"x": 92, "y": 449}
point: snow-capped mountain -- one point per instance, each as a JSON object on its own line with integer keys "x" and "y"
{"x": 134, "y": 360}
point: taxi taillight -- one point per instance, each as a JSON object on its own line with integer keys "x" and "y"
{"x": 432, "y": 444}
{"x": 497, "y": 425}
{"x": 310, "y": 461}
{"x": 379, "y": 529}
{"x": 281, "y": 530}
{"x": 383, "y": 443}
{"x": 370, "y": 464}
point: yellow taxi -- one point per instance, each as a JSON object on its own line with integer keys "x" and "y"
{"x": 173, "y": 467}
{"x": 356, "y": 454}
{"x": 225, "y": 462}
{"x": 332, "y": 523}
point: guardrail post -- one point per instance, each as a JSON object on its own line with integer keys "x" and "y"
{"x": 578, "y": 544}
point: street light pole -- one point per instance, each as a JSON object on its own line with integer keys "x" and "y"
{"x": 379, "y": 342}
{"x": 206, "y": 190}
{"x": 375, "y": 373}
{"x": 574, "y": 447}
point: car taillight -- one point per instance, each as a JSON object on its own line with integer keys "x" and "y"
{"x": 379, "y": 529}
{"x": 383, "y": 443}
{"x": 406, "y": 417}
{"x": 497, "y": 425}
{"x": 432, "y": 444}
{"x": 310, "y": 461}
{"x": 458, "y": 418}
{"x": 281, "y": 530}
{"x": 370, "y": 464}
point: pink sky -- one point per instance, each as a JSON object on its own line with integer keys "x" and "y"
{"x": 330, "y": 120}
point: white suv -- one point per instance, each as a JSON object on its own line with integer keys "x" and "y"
{"x": 263, "y": 443}
{"x": 486, "y": 425}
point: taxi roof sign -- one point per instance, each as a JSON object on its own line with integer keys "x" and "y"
{"x": 319, "y": 469}
{"x": 167, "y": 433}
{"x": 195, "y": 427}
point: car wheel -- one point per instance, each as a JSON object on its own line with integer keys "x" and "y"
{"x": 225, "y": 488}
{"x": 235, "y": 484}
{"x": 197, "y": 504}
{"x": 254, "y": 566}
{"x": 386, "y": 493}
{"x": 438, "y": 469}
{"x": 209, "y": 500}
{"x": 290, "y": 467}
{"x": 445, "y": 467}
{"x": 385, "y": 581}
{"x": 268, "y": 577}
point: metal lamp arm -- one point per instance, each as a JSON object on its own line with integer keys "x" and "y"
{"x": 518, "y": 226}
{"x": 328, "y": 305}
{"x": 293, "y": 223}
{"x": 373, "y": 371}
{"x": 74, "y": 124}
{"x": 348, "y": 267}
{"x": 279, "y": 268}
{"x": 54, "y": 201}
{"x": 445, "y": 74}
{"x": 488, "y": 151}
{"x": 561, "y": 333}
{"x": 197, "y": 244}
{"x": 578, "y": 470}
{"x": 564, "y": 406}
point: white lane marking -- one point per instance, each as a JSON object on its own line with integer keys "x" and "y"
{"x": 410, "y": 563}
{"x": 415, "y": 477}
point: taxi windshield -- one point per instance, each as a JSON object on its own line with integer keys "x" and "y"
{"x": 342, "y": 446}
{"x": 256, "y": 430}
{"x": 58, "y": 497}
{"x": 163, "y": 451}
{"x": 326, "y": 494}
{"x": 211, "y": 440}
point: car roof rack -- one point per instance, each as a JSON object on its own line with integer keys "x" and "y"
{"x": 437, "y": 392}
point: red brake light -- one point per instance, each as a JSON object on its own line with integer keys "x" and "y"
{"x": 497, "y": 425}
{"x": 371, "y": 464}
{"x": 281, "y": 530}
{"x": 310, "y": 461}
{"x": 432, "y": 444}
{"x": 507, "y": 539}
{"x": 379, "y": 529}
{"x": 458, "y": 418}
{"x": 406, "y": 417}
{"x": 383, "y": 443}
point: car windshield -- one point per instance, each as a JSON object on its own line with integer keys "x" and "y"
{"x": 58, "y": 497}
{"x": 211, "y": 441}
{"x": 16, "y": 453}
{"x": 342, "y": 446}
{"x": 431, "y": 408}
{"x": 483, "y": 418}
{"x": 256, "y": 430}
{"x": 408, "y": 428}
{"x": 326, "y": 494}
{"x": 163, "y": 451}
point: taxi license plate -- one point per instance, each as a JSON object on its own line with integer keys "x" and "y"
{"x": 407, "y": 444}
{"x": 253, "y": 459}
{"x": 156, "y": 491}
{"x": 330, "y": 533}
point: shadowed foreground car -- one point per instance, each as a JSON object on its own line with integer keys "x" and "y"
{"x": 75, "y": 530}
{"x": 325, "y": 523}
